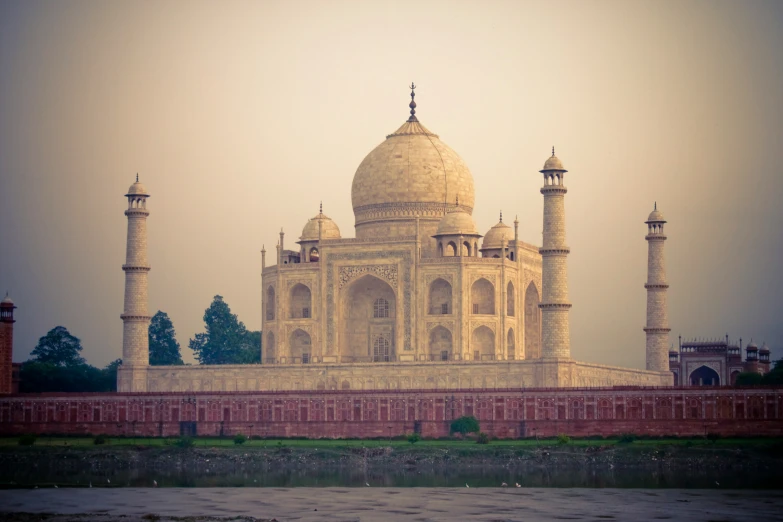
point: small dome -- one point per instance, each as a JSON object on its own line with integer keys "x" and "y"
{"x": 751, "y": 347}
{"x": 764, "y": 348}
{"x": 7, "y": 300}
{"x": 457, "y": 222}
{"x": 329, "y": 229}
{"x": 494, "y": 238}
{"x": 553, "y": 163}
{"x": 137, "y": 189}
{"x": 655, "y": 216}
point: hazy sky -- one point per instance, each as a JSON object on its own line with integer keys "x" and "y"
{"x": 241, "y": 116}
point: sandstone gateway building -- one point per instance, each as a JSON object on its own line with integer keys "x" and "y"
{"x": 419, "y": 299}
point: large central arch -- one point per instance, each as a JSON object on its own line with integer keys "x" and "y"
{"x": 704, "y": 376}
{"x": 368, "y": 312}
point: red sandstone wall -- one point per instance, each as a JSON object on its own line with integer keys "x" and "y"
{"x": 343, "y": 414}
{"x": 6, "y": 349}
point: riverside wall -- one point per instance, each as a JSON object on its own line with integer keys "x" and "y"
{"x": 503, "y": 413}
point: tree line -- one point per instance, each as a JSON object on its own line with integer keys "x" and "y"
{"x": 56, "y": 364}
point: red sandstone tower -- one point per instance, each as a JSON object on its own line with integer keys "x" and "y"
{"x": 6, "y": 344}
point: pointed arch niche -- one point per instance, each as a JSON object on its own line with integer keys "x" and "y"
{"x": 532, "y": 323}
{"x": 270, "y": 355}
{"x": 270, "y": 303}
{"x": 440, "y": 298}
{"x": 361, "y": 324}
{"x": 440, "y": 344}
{"x": 300, "y": 302}
{"x": 301, "y": 346}
{"x": 482, "y": 297}
{"x": 483, "y": 344}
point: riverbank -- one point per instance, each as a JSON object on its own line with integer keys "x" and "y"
{"x": 382, "y": 504}
{"x": 660, "y": 463}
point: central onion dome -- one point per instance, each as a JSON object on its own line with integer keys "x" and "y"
{"x": 412, "y": 173}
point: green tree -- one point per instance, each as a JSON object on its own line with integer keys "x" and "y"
{"x": 164, "y": 348}
{"x": 775, "y": 376}
{"x": 749, "y": 379}
{"x": 58, "y": 347}
{"x": 38, "y": 377}
{"x": 226, "y": 340}
{"x": 110, "y": 375}
{"x": 465, "y": 425}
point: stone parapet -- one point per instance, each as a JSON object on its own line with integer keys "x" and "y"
{"x": 558, "y": 371}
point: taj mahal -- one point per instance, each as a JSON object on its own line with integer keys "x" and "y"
{"x": 418, "y": 299}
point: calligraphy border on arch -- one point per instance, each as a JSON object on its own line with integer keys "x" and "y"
{"x": 385, "y": 271}
{"x": 404, "y": 256}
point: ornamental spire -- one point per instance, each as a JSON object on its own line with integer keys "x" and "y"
{"x": 412, "y": 104}
{"x": 553, "y": 151}
{"x": 501, "y": 216}
{"x": 137, "y": 177}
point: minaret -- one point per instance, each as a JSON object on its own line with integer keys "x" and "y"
{"x": 555, "y": 335}
{"x": 657, "y": 328}
{"x": 135, "y": 318}
{"x": 6, "y": 345}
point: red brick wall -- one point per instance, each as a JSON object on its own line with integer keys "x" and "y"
{"x": 6, "y": 350}
{"x": 333, "y": 414}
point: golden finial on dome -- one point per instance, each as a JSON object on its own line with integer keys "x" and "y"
{"x": 137, "y": 177}
{"x": 553, "y": 151}
{"x": 501, "y": 216}
{"x": 412, "y": 104}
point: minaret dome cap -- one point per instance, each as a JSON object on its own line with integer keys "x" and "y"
{"x": 655, "y": 216}
{"x": 553, "y": 163}
{"x": 7, "y": 301}
{"x": 137, "y": 189}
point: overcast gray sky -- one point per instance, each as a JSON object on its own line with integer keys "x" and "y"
{"x": 241, "y": 116}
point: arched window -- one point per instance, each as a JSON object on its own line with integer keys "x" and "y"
{"x": 300, "y": 346}
{"x": 483, "y": 344}
{"x": 510, "y": 299}
{"x": 381, "y": 349}
{"x": 451, "y": 249}
{"x": 270, "y": 304}
{"x": 510, "y": 346}
{"x": 270, "y": 348}
{"x": 314, "y": 255}
{"x": 532, "y": 323}
{"x": 440, "y": 344}
{"x": 300, "y": 305}
{"x": 440, "y": 298}
{"x": 483, "y": 297}
{"x": 380, "y": 308}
